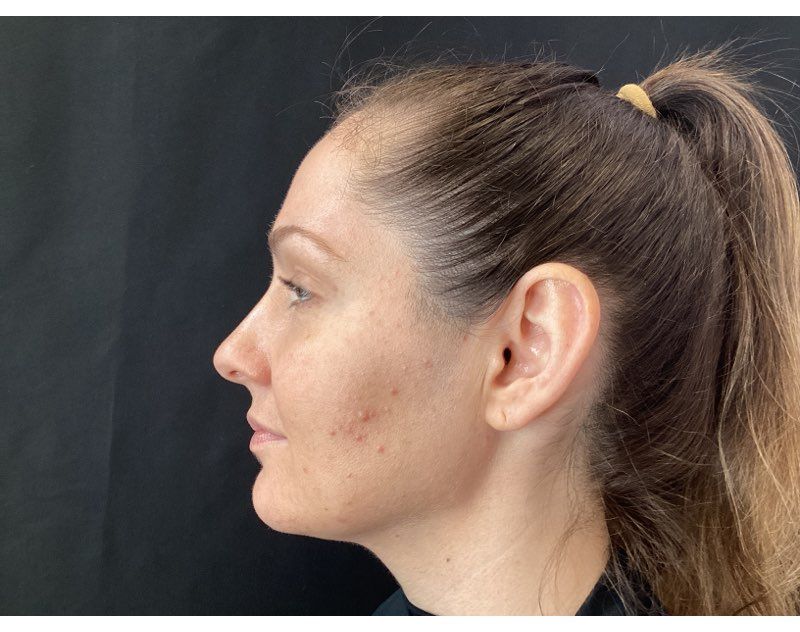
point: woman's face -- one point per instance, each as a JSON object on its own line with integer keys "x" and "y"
{"x": 379, "y": 413}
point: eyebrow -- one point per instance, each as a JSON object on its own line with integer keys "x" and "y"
{"x": 277, "y": 235}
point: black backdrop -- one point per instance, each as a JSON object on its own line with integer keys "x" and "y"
{"x": 141, "y": 160}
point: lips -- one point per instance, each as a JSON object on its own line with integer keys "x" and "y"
{"x": 257, "y": 426}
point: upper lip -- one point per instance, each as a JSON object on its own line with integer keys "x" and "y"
{"x": 256, "y": 425}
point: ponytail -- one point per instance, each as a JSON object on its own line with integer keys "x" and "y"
{"x": 746, "y": 559}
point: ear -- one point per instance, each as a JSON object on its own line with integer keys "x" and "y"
{"x": 548, "y": 326}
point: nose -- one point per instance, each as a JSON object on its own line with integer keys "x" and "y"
{"x": 237, "y": 358}
{"x": 225, "y": 361}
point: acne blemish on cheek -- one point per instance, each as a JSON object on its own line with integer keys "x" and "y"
{"x": 366, "y": 415}
{"x": 380, "y": 448}
{"x": 332, "y": 433}
{"x": 427, "y": 363}
{"x": 394, "y": 390}
{"x": 305, "y": 469}
{"x": 360, "y": 438}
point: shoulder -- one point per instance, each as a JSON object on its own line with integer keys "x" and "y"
{"x": 393, "y": 605}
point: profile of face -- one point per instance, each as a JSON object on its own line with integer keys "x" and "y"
{"x": 385, "y": 418}
{"x": 378, "y": 411}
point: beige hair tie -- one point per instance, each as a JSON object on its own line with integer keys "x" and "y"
{"x": 633, "y": 92}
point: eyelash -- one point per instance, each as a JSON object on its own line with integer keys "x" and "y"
{"x": 298, "y": 291}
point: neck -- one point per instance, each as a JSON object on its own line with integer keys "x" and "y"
{"x": 489, "y": 553}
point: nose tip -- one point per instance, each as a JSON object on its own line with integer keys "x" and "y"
{"x": 241, "y": 356}
{"x": 224, "y": 363}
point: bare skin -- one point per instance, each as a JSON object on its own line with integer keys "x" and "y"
{"x": 424, "y": 447}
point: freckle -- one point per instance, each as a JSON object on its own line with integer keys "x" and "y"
{"x": 448, "y": 559}
{"x": 325, "y": 508}
{"x": 428, "y": 362}
{"x": 394, "y": 390}
{"x": 397, "y": 535}
{"x": 380, "y": 448}
{"x": 350, "y": 475}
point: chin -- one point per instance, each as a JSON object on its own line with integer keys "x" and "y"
{"x": 283, "y": 516}
{"x": 271, "y": 508}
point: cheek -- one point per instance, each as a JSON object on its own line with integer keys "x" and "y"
{"x": 344, "y": 406}
{"x": 343, "y": 397}
{"x": 373, "y": 432}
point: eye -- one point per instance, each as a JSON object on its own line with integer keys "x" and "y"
{"x": 302, "y": 294}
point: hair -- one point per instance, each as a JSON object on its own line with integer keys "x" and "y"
{"x": 688, "y": 225}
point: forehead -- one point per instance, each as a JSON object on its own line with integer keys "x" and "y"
{"x": 317, "y": 200}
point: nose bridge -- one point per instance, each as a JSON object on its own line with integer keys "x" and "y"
{"x": 236, "y": 359}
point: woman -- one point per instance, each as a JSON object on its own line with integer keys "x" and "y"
{"x": 535, "y": 344}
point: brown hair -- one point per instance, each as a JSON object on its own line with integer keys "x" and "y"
{"x": 688, "y": 225}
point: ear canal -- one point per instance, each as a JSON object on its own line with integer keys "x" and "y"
{"x": 507, "y": 355}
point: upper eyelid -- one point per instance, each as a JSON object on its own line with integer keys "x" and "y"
{"x": 297, "y": 291}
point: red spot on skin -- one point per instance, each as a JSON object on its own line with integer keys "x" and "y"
{"x": 332, "y": 432}
{"x": 464, "y": 338}
{"x": 366, "y": 415}
{"x": 380, "y": 448}
{"x": 394, "y": 390}
{"x": 428, "y": 363}
{"x": 360, "y": 438}
{"x": 305, "y": 469}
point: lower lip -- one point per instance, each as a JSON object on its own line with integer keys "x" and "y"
{"x": 263, "y": 438}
